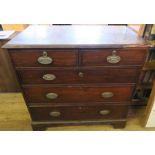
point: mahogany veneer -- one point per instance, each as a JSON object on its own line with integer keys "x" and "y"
{"x": 90, "y": 77}
{"x": 71, "y": 75}
{"x": 36, "y": 94}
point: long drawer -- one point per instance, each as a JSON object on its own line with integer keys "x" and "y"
{"x": 44, "y": 58}
{"x": 78, "y": 76}
{"x": 79, "y": 112}
{"x": 64, "y": 94}
{"x": 113, "y": 57}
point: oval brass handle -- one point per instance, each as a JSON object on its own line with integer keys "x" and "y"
{"x": 45, "y": 59}
{"x": 49, "y": 77}
{"x": 55, "y": 113}
{"x": 107, "y": 94}
{"x": 51, "y": 95}
{"x": 81, "y": 74}
{"x": 113, "y": 58}
{"x": 104, "y": 112}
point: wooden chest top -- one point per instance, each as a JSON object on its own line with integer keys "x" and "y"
{"x": 79, "y": 36}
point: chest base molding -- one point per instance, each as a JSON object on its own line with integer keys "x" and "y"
{"x": 41, "y": 126}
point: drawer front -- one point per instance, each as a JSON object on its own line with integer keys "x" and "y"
{"x": 113, "y": 57}
{"x": 46, "y": 94}
{"x": 43, "y": 58}
{"x": 78, "y": 76}
{"x": 78, "y": 113}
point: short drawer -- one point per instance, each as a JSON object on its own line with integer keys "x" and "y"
{"x": 78, "y": 113}
{"x": 78, "y": 76}
{"x": 64, "y": 94}
{"x": 113, "y": 57}
{"x": 44, "y": 58}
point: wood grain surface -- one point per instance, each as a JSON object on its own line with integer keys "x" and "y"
{"x": 73, "y": 75}
{"x": 98, "y": 57}
{"x": 37, "y": 94}
{"x": 29, "y": 58}
{"x": 75, "y": 37}
{"x": 79, "y": 113}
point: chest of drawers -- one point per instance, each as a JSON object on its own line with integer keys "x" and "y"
{"x": 71, "y": 79}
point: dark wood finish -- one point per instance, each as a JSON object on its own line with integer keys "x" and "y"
{"x": 38, "y": 127}
{"x": 89, "y": 36}
{"x": 72, "y": 75}
{"x": 8, "y": 81}
{"x": 79, "y": 113}
{"x": 36, "y": 94}
{"x": 119, "y": 124}
{"x": 98, "y": 57}
{"x": 67, "y": 104}
{"x": 82, "y": 73}
{"x": 41, "y": 126}
{"x": 28, "y": 58}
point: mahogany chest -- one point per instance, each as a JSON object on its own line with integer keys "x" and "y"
{"x": 72, "y": 75}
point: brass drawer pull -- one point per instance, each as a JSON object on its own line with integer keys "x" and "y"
{"x": 55, "y": 113}
{"x": 104, "y": 112}
{"x": 45, "y": 59}
{"x": 81, "y": 74}
{"x": 113, "y": 59}
{"x": 49, "y": 77}
{"x": 107, "y": 94}
{"x": 52, "y": 96}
